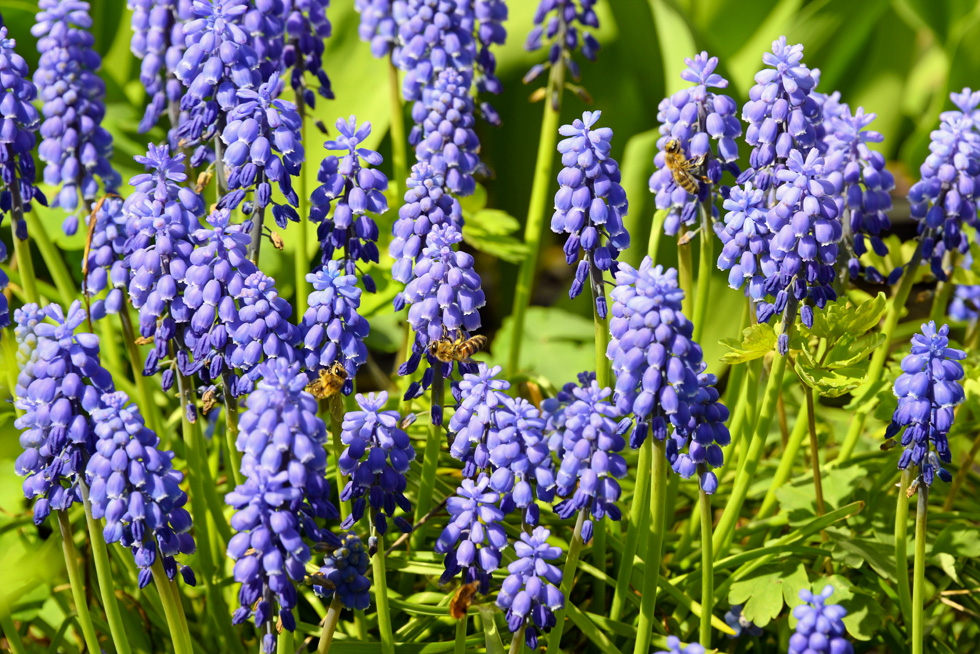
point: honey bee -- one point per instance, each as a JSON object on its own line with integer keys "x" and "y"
{"x": 329, "y": 383}
{"x": 448, "y": 350}
{"x": 462, "y": 599}
{"x": 681, "y": 167}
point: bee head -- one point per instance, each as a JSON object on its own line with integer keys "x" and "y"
{"x": 673, "y": 146}
{"x": 433, "y": 347}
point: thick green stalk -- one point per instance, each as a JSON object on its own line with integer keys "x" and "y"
{"x": 77, "y": 583}
{"x": 399, "y": 144}
{"x": 381, "y": 598}
{"x": 567, "y": 580}
{"x": 302, "y": 260}
{"x": 944, "y": 290}
{"x": 104, "y": 573}
{"x": 52, "y": 259}
{"x": 919, "y": 579}
{"x": 685, "y": 275}
{"x": 534, "y": 228}
{"x": 599, "y": 531}
{"x": 22, "y": 249}
{"x": 234, "y": 457}
{"x": 517, "y": 642}
{"x": 656, "y": 231}
{"x": 753, "y": 454}
{"x": 707, "y": 569}
{"x": 651, "y": 559}
{"x": 147, "y": 406}
{"x": 705, "y": 266}
{"x": 337, "y": 447}
{"x": 459, "y": 646}
{"x": 284, "y": 642}
{"x": 901, "y": 544}
{"x": 785, "y": 464}
{"x": 178, "y": 630}
{"x": 961, "y": 475}
{"x": 814, "y": 448}
{"x": 638, "y": 524}
{"x": 430, "y": 458}
{"x": 329, "y": 626}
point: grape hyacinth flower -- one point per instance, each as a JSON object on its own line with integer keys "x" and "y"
{"x": 820, "y": 627}
{"x": 555, "y": 21}
{"x": 344, "y": 568}
{"x": 928, "y": 391}
{"x": 865, "y": 197}
{"x": 431, "y": 38}
{"x": 75, "y": 147}
{"x": 590, "y": 205}
{"x": 486, "y": 21}
{"x": 307, "y": 26}
{"x": 694, "y": 117}
{"x": 19, "y": 121}
{"x": 445, "y": 297}
{"x": 443, "y": 134}
{"x": 739, "y": 623}
{"x": 427, "y": 204}
{"x": 263, "y": 148}
{"x": 590, "y": 442}
{"x": 285, "y": 490}
{"x": 352, "y": 189}
{"x": 332, "y": 329}
{"x": 474, "y": 537}
{"x": 944, "y": 200}
{"x": 63, "y": 387}
{"x": 375, "y": 461}
{"x": 745, "y": 240}
{"x": 781, "y": 112}
{"x": 135, "y": 488}
{"x": 965, "y": 306}
{"x": 107, "y": 266}
{"x": 377, "y": 26}
{"x": 530, "y": 594}
{"x": 674, "y": 647}
{"x": 158, "y": 42}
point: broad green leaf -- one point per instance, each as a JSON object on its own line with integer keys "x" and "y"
{"x": 757, "y": 341}
{"x": 763, "y": 593}
{"x": 854, "y": 552}
{"x": 676, "y": 42}
{"x": 965, "y": 276}
{"x": 831, "y": 383}
{"x": 557, "y": 344}
{"x": 490, "y": 632}
{"x": 849, "y": 350}
{"x": 492, "y": 231}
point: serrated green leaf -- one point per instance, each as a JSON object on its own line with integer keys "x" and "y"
{"x": 831, "y": 383}
{"x": 491, "y": 231}
{"x": 757, "y": 341}
{"x": 763, "y": 594}
{"x": 850, "y": 350}
{"x": 854, "y": 552}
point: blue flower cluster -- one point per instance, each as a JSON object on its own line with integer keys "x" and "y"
{"x": 376, "y": 459}
{"x": 589, "y": 445}
{"x": 353, "y": 190}
{"x": 307, "y": 26}
{"x": 474, "y": 537}
{"x": 62, "y": 387}
{"x": 426, "y": 205}
{"x": 965, "y": 306}
{"x": 944, "y": 200}
{"x": 431, "y": 38}
{"x": 135, "y": 488}
{"x": 866, "y": 187}
{"x": 285, "y": 490}
{"x": 75, "y": 146}
{"x": 739, "y": 623}
{"x": 19, "y": 121}
{"x": 820, "y": 627}
{"x": 590, "y": 205}
{"x": 674, "y": 647}
{"x": 695, "y": 117}
{"x": 555, "y": 21}
{"x": 530, "y": 594}
{"x": 487, "y": 24}
{"x": 158, "y": 42}
{"x": 344, "y": 568}
{"x": 332, "y": 329}
{"x": 781, "y": 112}
{"x": 377, "y": 26}
{"x": 928, "y": 390}
{"x": 107, "y": 267}
{"x": 745, "y": 240}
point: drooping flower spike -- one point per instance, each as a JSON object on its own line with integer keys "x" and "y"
{"x": 820, "y": 626}
{"x": 344, "y": 568}
{"x": 107, "y": 265}
{"x": 694, "y": 118}
{"x": 431, "y": 38}
{"x": 76, "y": 147}
{"x": 566, "y": 24}
{"x": 307, "y": 27}
{"x": 377, "y": 26}
{"x": 530, "y": 594}
{"x": 158, "y": 42}
{"x": 487, "y": 24}
{"x": 928, "y": 391}
{"x": 590, "y": 205}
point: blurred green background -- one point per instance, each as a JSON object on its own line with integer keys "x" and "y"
{"x": 897, "y": 58}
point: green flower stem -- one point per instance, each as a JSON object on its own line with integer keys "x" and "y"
{"x": 534, "y": 228}
{"x": 338, "y": 449}
{"x": 753, "y": 454}
{"x": 77, "y": 583}
{"x": 705, "y": 266}
{"x": 638, "y": 524}
{"x": 656, "y": 231}
{"x": 399, "y": 148}
{"x": 381, "y": 597}
{"x": 459, "y": 646}
{"x": 749, "y": 416}
{"x": 180, "y": 611}
{"x": 707, "y": 568}
{"x": 234, "y": 460}
{"x": 685, "y": 274}
{"x": 944, "y": 290}
{"x": 178, "y": 630}
{"x": 7, "y": 624}
{"x": 877, "y": 367}
{"x": 961, "y": 475}
{"x": 301, "y": 265}
{"x": 901, "y": 544}
{"x": 517, "y": 642}
{"x": 284, "y": 642}
{"x": 655, "y": 540}
{"x": 599, "y": 531}
{"x": 329, "y": 626}
{"x": 147, "y": 406}
{"x": 785, "y": 463}
{"x": 430, "y": 459}
{"x": 258, "y": 222}
{"x": 52, "y": 259}
{"x": 567, "y": 580}
{"x": 104, "y": 573}
{"x": 814, "y": 449}
{"x": 919, "y": 579}
{"x": 22, "y": 249}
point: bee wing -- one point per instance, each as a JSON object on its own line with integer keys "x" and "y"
{"x": 693, "y": 164}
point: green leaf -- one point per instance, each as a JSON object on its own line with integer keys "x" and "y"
{"x": 843, "y": 318}
{"x": 490, "y": 231}
{"x": 587, "y": 627}
{"x": 854, "y": 552}
{"x": 850, "y": 350}
{"x": 831, "y": 383}
{"x": 490, "y": 632}
{"x": 557, "y": 344}
{"x": 763, "y": 594}
{"x": 757, "y": 341}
